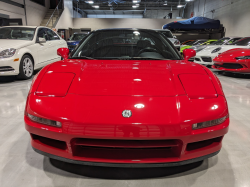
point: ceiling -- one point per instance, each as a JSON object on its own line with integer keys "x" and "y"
{"x": 115, "y": 5}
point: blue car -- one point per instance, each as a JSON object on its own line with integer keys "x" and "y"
{"x": 74, "y": 40}
{"x": 195, "y": 23}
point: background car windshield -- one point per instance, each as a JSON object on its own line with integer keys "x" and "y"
{"x": 126, "y": 44}
{"x": 243, "y": 42}
{"x": 221, "y": 41}
{"x": 190, "y": 43}
{"x": 168, "y": 34}
{"x": 77, "y": 37}
{"x": 199, "y": 42}
{"x": 17, "y": 33}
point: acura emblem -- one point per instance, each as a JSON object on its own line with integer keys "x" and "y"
{"x": 126, "y": 113}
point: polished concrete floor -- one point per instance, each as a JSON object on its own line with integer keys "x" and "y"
{"x": 20, "y": 166}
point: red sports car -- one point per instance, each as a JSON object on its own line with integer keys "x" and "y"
{"x": 125, "y": 97}
{"x": 234, "y": 60}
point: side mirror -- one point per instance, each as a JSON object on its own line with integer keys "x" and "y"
{"x": 175, "y": 37}
{"x": 189, "y": 53}
{"x": 63, "y": 52}
{"x": 41, "y": 40}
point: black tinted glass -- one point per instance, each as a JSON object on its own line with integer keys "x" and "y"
{"x": 125, "y": 44}
{"x": 17, "y": 33}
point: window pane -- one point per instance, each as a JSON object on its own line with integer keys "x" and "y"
{"x": 52, "y": 35}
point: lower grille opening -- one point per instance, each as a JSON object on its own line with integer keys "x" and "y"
{"x": 191, "y": 60}
{"x": 201, "y": 144}
{"x": 230, "y": 65}
{"x": 6, "y": 68}
{"x": 197, "y": 59}
{"x": 50, "y": 142}
{"x": 126, "y": 149}
{"x": 207, "y": 59}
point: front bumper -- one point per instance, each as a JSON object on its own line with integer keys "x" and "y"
{"x": 71, "y": 148}
{"x": 99, "y": 133}
{"x": 9, "y": 67}
{"x": 170, "y": 164}
{"x": 204, "y": 60}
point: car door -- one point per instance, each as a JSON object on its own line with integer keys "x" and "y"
{"x": 42, "y": 48}
{"x": 54, "y": 42}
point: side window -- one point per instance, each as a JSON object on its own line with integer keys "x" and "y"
{"x": 42, "y": 34}
{"x": 52, "y": 35}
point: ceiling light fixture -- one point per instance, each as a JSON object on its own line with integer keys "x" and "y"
{"x": 179, "y": 6}
{"x": 134, "y": 6}
{"x": 96, "y": 6}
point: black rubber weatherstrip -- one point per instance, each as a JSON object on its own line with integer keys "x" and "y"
{"x": 134, "y": 165}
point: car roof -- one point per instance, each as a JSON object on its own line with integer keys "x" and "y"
{"x": 133, "y": 29}
{"x": 80, "y": 33}
{"x": 161, "y": 29}
{"x": 22, "y": 26}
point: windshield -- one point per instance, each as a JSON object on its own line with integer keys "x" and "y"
{"x": 221, "y": 41}
{"x": 230, "y": 42}
{"x": 17, "y": 33}
{"x": 199, "y": 42}
{"x": 243, "y": 42}
{"x": 77, "y": 37}
{"x": 168, "y": 34}
{"x": 125, "y": 44}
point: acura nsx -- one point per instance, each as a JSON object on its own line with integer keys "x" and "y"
{"x": 126, "y": 98}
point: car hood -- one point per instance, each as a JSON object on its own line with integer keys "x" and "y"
{"x": 16, "y": 44}
{"x": 208, "y": 50}
{"x": 128, "y": 77}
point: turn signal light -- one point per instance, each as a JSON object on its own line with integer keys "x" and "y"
{"x": 209, "y": 123}
{"x": 45, "y": 121}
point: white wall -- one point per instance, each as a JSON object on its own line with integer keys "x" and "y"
{"x": 102, "y": 23}
{"x": 233, "y": 14}
{"x": 66, "y": 19}
{"x": 35, "y": 12}
{"x": 160, "y": 13}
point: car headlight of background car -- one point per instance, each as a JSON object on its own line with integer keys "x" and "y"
{"x": 209, "y": 123}
{"x": 216, "y": 50}
{"x": 242, "y": 57}
{"x": 7, "y": 53}
{"x": 177, "y": 42}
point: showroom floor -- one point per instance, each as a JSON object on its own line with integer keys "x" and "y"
{"x": 21, "y": 166}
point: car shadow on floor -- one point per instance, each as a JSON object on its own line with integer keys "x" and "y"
{"x": 123, "y": 173}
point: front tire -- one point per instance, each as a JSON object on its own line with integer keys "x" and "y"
{"x": 26, "y": 68}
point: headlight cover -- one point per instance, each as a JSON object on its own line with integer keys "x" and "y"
{"x": 209, "y": 123}
{"x": 7, "y": 53}
{"x": 216, "y": 50}
{"x": 45, "y": 121}
{"x": 242, "y": 58}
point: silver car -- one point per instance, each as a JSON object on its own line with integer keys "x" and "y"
{"x": 168, "y": 34}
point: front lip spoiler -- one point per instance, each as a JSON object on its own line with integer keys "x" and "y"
{"x": 134, "y": 165}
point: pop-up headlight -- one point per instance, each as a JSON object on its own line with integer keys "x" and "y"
{"x": 55, "y": 84}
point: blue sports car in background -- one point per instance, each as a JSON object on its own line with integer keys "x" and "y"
{"x": 195, "y": 23}
{"x": 75, "y": 39}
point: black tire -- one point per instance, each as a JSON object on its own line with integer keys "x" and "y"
{"x": 26, "y": 68}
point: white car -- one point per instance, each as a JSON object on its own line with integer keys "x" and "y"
{"x": 222, "y": 41}
{"x": 24, "y": 49}
{"x": 206, "y": 56}
{"x": 168, "y": 34}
